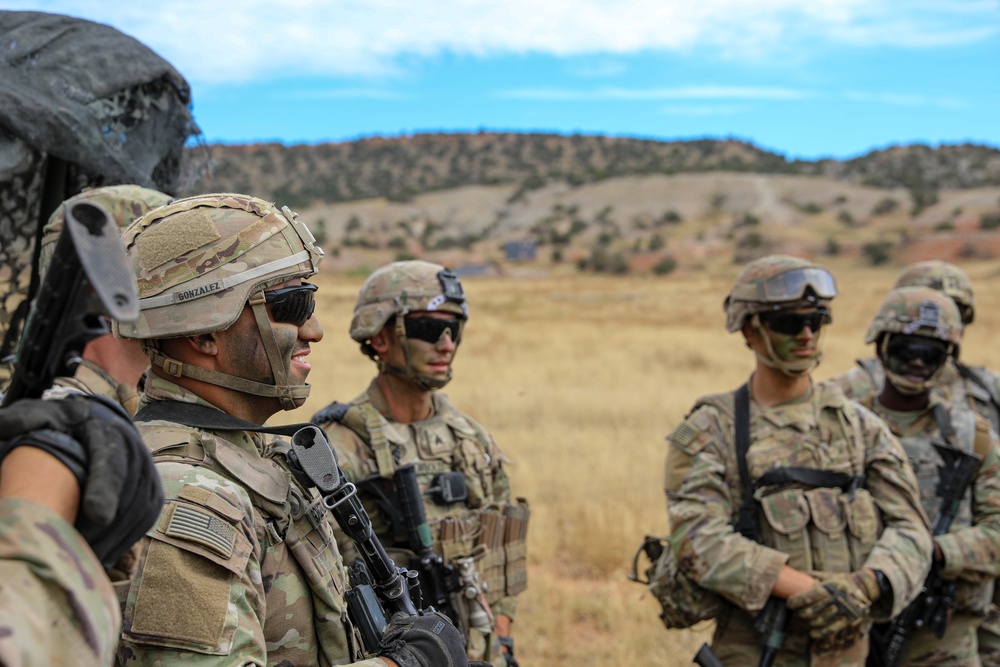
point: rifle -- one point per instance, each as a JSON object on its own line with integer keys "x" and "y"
{"x": 399, "y": 500}
{"x": 89, "y": 276}
{"x": 769, "y": 624}
{"x": 932, "y": 608}
{"x": 379, "y": 588}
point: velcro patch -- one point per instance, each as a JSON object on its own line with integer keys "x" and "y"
{"x": 203, "y": 527}
{"x": 174, "y": 236}
{"x": 683, "y": 434}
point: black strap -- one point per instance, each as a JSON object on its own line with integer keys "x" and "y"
{"x": 943, "y": 420}
{"x": 811, "y": 478}
{"x": 210, "y": 419}
{"x": 746, "y": 523}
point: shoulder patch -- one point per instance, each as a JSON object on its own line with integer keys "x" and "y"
{"x": 683, "y": 435}
{"x": 202, "y": 526}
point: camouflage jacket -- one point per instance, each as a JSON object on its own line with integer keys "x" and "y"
{"x": 448, "y": 441}
{"x": 242, "y": 563}
{"x": 971, "y": 546}
{"x": 57, "y": 606}
{"x": 880, "y": 526}
{"x": 92, "y": 379}
{"x": 975, "y": 386}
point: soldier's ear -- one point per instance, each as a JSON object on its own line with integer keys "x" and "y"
{"x": 206, "y": 343}
{"x": 749, "y": 333}
{"x": 380, "y": 342}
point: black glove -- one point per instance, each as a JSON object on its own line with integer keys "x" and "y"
{"x": 120, "y": 491}
{"x": 508, "y": 655}
{"x": 426, "y": 640}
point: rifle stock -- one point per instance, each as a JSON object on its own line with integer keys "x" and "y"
{"x": 89, "y": 276}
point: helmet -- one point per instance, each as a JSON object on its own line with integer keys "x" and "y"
{"x": 943, "y": 277}
{"x": 774, "y": 283}
{"x": 198, "y": 261}
{"x": 915, "y": 311}
{"x": 399, "y": 288}
{"x": 125, "y": 203}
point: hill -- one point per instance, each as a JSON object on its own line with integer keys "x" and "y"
{"x": 619, "y": 205}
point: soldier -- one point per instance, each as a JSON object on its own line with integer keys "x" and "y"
{"x": 916, "y": 331}
{"x": 111, "y": 366}
{"x": 974, "y": 385}
{"x": 959, "y": 383}
{"x": 242, "y": 567}
{"x": 409, "y": 319}
{"x": 77, "y": 489}
{"x": 833, "y": 505}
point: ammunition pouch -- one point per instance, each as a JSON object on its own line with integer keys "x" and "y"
{"x": 683, "y": 603}
{"x": 495, "y": 539}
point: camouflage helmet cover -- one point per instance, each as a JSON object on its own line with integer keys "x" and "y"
{"x": 405, "y": 287}
{"x": 918, "y": 311}
{"x": 776, "y": 282}
{"x": 943, "y": 277}
{"x": 197, "y": 260}
{"x": 125, "y": 203}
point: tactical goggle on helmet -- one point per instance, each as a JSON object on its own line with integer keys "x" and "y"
{"x": 788, "y": 286}
{"x": 775, "y": 283}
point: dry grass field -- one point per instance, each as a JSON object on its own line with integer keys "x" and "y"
{"x": 579, "y": 378}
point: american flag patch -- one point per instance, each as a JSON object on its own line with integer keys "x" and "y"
{"x": 203, "y": 527}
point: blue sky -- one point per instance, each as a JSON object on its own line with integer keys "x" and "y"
{"x": 806, "y": 78}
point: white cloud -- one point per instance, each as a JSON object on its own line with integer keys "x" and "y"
{"x": 229, "y": 40}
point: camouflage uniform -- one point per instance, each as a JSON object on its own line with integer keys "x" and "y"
{"x": 262, "y": 580}
{"x": 56, "y": 604}
{"x": 970, "y": 548}
{"x": 242, "y": 565}
{"x": 374, "y": 444}
{"x": 957, "y": 384}
{"x": 819, "y": 530}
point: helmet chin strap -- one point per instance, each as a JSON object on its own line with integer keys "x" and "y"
{"x": 903, "y": 385}
{"x": 290, "y": 396}
{"x": 422, "y": 380}
{"x": 790, "y": 368}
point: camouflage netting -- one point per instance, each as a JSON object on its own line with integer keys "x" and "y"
{"x": 81, "y": 104}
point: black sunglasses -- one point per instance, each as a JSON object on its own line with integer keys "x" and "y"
{"x": 430, "y": 329}
{"x": 907, "y": 349}
{"x": 792, "y": 323}
{"x": 294, "y": 305}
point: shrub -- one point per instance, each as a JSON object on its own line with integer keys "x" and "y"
{"x": 877, "y": 252}
{"x": 989, "y": 221}
{"x": 665, "y": 266}
{"x": 885, "y": 206}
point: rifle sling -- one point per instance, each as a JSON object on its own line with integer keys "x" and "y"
{"x": 210, "y": 419}
{"x": 746, "y": 523}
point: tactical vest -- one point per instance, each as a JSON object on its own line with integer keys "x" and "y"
{"x": 820, "y": 526}
{"x": 925, "y": 461}
{"x": 485, "y": 537}
{"x": 296, "y": 540}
